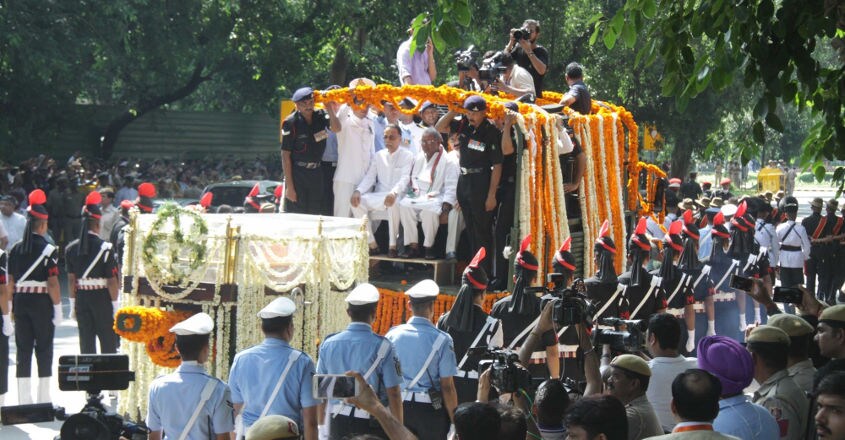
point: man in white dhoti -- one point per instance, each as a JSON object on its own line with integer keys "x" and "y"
{"x": 434, "y": 181}
{"x": 383, "y": 185}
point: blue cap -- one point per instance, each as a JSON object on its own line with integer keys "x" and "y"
{"x": 302, "y": 93}
{"x": 510, "y": 105}
{"x": 475, "y": 103}
{"x": 426, "y": 105}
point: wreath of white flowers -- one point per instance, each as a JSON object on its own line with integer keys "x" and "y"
{"x": 161, "y": 251}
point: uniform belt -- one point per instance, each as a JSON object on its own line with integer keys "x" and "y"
{"x": 92, "y": 283}
{"x": 419, "y": 397}
{"x": 350, "y": 411}
{"x": 786, "y": 247}
{"x": 678, "y": 313}
{"x": 31, "y": 287}
{"x": 724, "y": 296}
{"x": 308, "y": 165}
{"x": 466, "y": 171}
{"x": 467, "y": 374}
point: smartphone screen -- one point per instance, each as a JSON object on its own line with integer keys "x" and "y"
{"x": 334, "y": 386}
{"x": 741, "y": 283}
{"x": 787, "y": 295}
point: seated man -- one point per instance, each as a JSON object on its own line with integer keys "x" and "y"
{"x": 383, "y": 184}
{"x": 434, "y": 180}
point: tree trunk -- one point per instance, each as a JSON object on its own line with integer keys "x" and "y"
{"x": 681, "y": 159}
{"x": 339, "y": 66}
{"x": 116, "y": 125}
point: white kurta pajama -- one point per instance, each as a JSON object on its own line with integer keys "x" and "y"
{"x": 434, "y": 182}
{"x": 387, "y": 173}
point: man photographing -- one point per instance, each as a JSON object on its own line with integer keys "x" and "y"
{"x": 528, "y": 54}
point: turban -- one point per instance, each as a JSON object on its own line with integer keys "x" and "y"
{"x": 728, "y": 360}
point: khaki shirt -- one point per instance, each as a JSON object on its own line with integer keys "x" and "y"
{"x": 802, "y": 373}
{"x": 787, "y": 403}
{"x": 642, "y": 420}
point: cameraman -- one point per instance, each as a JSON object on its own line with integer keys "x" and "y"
{"x": 514, "y": 79}
{"x": 528, "y": 54}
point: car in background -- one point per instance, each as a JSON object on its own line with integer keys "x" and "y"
{"x": 234, "y": 192}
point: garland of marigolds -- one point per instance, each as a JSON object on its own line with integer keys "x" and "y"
{"x": 393, "y": 306}
{"x": 165, "y": 267}
{"x": 151, "y": 326}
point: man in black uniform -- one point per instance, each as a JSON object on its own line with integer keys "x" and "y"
{"x": 470, "y": 327}
{"x": 117, "y": 234}
{"x": 578, "y": 97}
{"x": 8, "y": 327}
{"x": 506, "y": 198}
{"x": 691, "y": 189}
{"x": 481, "y": 169}
{"x": 92, "y": 279}
{"x": 528, "y": 54}
{"x": 644, "y": 297}
{"x": 603, "y": 289}
{"x": 33, "y": 275}
{"x": 304, "y": 135}
{"x": 675, "y": 285}
{"x": 816, "y": 226}
{"x": 831, "y": 249}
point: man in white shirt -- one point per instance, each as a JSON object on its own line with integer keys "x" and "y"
{"x": 11, "y": 222}
{"x": 794, "y": 245}
{"x": 383, "y": 185}
{"x": 418, "y": 67}
{"x": 664, "y": 341}
{"x": 515, "y": 79}
{"x": 434, "y": 181}
{"x": 109, "y": 213}
{"x": 355, "y": 150}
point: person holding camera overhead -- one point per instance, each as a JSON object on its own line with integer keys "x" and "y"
{"x": 529, "y": 55}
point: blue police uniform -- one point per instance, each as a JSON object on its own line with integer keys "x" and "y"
{"x": 414, "y": 342}
{"x": 174, "y": 398}
{"x": 255, "y": 372}
{"x": 357, "y": 349}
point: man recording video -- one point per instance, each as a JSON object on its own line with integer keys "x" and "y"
{"x": 528, "y": 54}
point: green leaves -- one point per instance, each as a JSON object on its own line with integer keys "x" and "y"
{"x": 441, "y": 25}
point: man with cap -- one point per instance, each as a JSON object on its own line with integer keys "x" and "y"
{"x": 705, "y": 189}
{"x": 690, "y": 264}
{"x": 470, "y": 327}
{"x": 800, "y": 332}
{"x": 838, "y": 238}
{"x": 794, "y": 245}
{"x": 92, "y": 282}
{"x": 428, "y": 364}
{"x": 603, "y": 288}
{"x": 146, "y": 193}
{"x": 830, "y": 337}
{"x": 765, "y": 236}
{"x": 817, "y": 229}
{"x": 117, "y": 237}
{"x": 359, "y": 349}
{"x": 304, "y": 134}
{"x": 640, "y": 284}
{"x": 769, "y": 347}
{"x": 355, "y": 149}
{"x": 677, "y": 286}
{"x": 481, "y": 168}
{"x": 673, "y": 196}
{"x": 189, "y": 403}
{"x": 33, "y": 276}
{"x": 628, "y": 382}
{"x": 272, "y": 377}
{"x": 505, "y": 196}
{"x": 725, "y": 191}
{"x": 273, "y": 427}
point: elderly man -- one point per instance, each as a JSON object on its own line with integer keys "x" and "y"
{"x": 383, "y": 185}
{"x": 355, "y": 150}
{"x": 434, "y": 181}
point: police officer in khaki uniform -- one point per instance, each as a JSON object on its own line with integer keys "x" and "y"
{"x": 800, "y": 333}
{"x": 628, "y": 382}
{"x": 769, "y": 347}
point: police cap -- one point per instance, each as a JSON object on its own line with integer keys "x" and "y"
{"x": 363, "y": 294}
{"x": 199, "y": 324}
{"x": 475, "y": 103}
{"x": 791, "y": 324}
{"x": 280, "y": 307}
{"x": 302, "y": 93}
{"x": 631, "y": 363}
{"x": 768, "y": 333}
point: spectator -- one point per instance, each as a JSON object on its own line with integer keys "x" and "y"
{"x": 695, "y": 404}
{"x": 477, "y": 421}
{"x": 110, "y": 216}
{"x": 691, "y": 189}
{"x": 513, "y": 424}
{"x": 12, "y": 222}
{"x": 831, "y": 340}
{"x": 800, "y": 332}
{"x": 663, "y": 341}
{"x": 550, "y": 404}
{"x": 628, "y": 382}
{"x": 127, "y": 191}
{"x": 418, "y": 68}
{"x": 514, "y": 80}
{"x": 830, "y": 400}
{"x": 529, "y": 55}
{"x": 578, "y": 97}
{"x": 592, "y": 417}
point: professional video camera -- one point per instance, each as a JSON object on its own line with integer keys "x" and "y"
{"x": 627, "y": 335}
{"x": 506, "y": 373}
{"x": 492, "y": 67}
{"x": 573, "y": 307}
{"x": 466, "y": 58}
{"x": 521, "y": 33}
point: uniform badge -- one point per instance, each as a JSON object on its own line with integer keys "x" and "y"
{"x": 475, "y": 145}
{"x": 320, "y": 136}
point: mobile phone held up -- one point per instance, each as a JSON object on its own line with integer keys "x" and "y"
{"x": 334, "y": 386}
{"x": 790, "y": 295}
{"x": 741, "y": 283}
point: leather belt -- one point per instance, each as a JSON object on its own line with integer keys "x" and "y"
{"x": 308, "y": 165}
{"x": 789, "y": 248}
{"x": 419, "y": 397}
{"x": 350, "y": 411}
{"x": 465, "y": 171}
{"x": 91, "y": 284}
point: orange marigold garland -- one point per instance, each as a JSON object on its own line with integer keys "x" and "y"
{"x": 151, "y": 326}
{"x": 392, "y": 305}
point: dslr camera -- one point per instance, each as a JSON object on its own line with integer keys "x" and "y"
{"x": 506, "y": 373}
{"x": 466, "y": 58}
{"x": 629, "y": 340}
{"x": 521, "y": 33}
{"x": 492, "y": 67}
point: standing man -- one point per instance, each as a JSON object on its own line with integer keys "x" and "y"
{"x": 691, "y": 189}
{"x": 34, "y": 277}
{"x": 578, "y": 97}
{"x": 383, "y": 185}
{"x": 189, "y": 403}
{"x": 528, "y": 54}
{"x": 794, "y": 245}
{"x": 416, "y": 68}
{"x": 663, "y": 341}
{"x": 724, "y": 192}
{"x": 329, "y": 164}
{"x": 428, "y": 364}
{"x": 272, "y": 377}
{"x": 110, "y": 215}
{"x": 355, "y": 150}
{"x": 304, "y": 134}
{"x": 12, "y": 222}
{"x": 92, "y": 279}
{"x": 359, "y": 349}
{"x": 828, "y": 269}
{"x": 817, "y": 228}
{"x": 481, "y": 169}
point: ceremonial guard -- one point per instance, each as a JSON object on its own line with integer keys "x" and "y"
{"x": 33, "y": 274}
{"x": 603, "y": 289}
{"x": 8, "y": 329}
{"x": 816, "y": 226}
{"x": 252, "y": 201}
{"x": 190, "y": 404}
{"x": 481, "y": 168}
{"x": 146, "y": 194}
{"x": 644, "y": 297}
{"x": 690, "y": 264}
{"x": 117, "y": 234}
{"x": 675, "y": 285}
{"x": 839, "y": 261}
{"x": 273, "y": 377}
{"x": 92, "y": 282}
{"x": 742, "y": 250}
{"x": 794, "y": 245}
{"x": 831, "y": 248}
{"x": 470, "y": 327}
{"x": 428, "y": 367}
{"x": 304, "y": 134}
{"x": 721, "y": 268}
{"x": 766, "y": 238}
{"x": 563, "y": 264}
{"x": 520, "y": 311}
{"x": 359, "y": 349}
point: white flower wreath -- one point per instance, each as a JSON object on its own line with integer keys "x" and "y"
{"x": 161, "y": 251}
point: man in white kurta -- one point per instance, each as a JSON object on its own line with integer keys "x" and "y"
{"x": 383, "y": 185}
{"x": 434, "y": 181}
{"x": 355, "y": 150}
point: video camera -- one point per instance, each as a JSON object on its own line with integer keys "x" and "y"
{"x": 506, "y": 373}
{"x": 466, "y": 58}
{"x": 492, "y": 67}
{"x": 629, "y": 340}
{"x": 573, "y": 307}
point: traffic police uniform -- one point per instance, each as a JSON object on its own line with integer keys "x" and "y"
{"x": 603, "y": 289}
{"x": 816, "y": 226}
{"x": 797, "y": 328}
{"x": 257, "y": 372}
{"x": 779, "y": 393}
{"x": 419, "y": 343}
{"x": 481, "y": 150}
{"x": 32, "y": 262}
{"x": 91, "y": 262}
{"x": 641, "y": 287}
{"x": 358, "y": 349}
{"x": 190, "y": 399}
{"x": 306, "y": 144}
